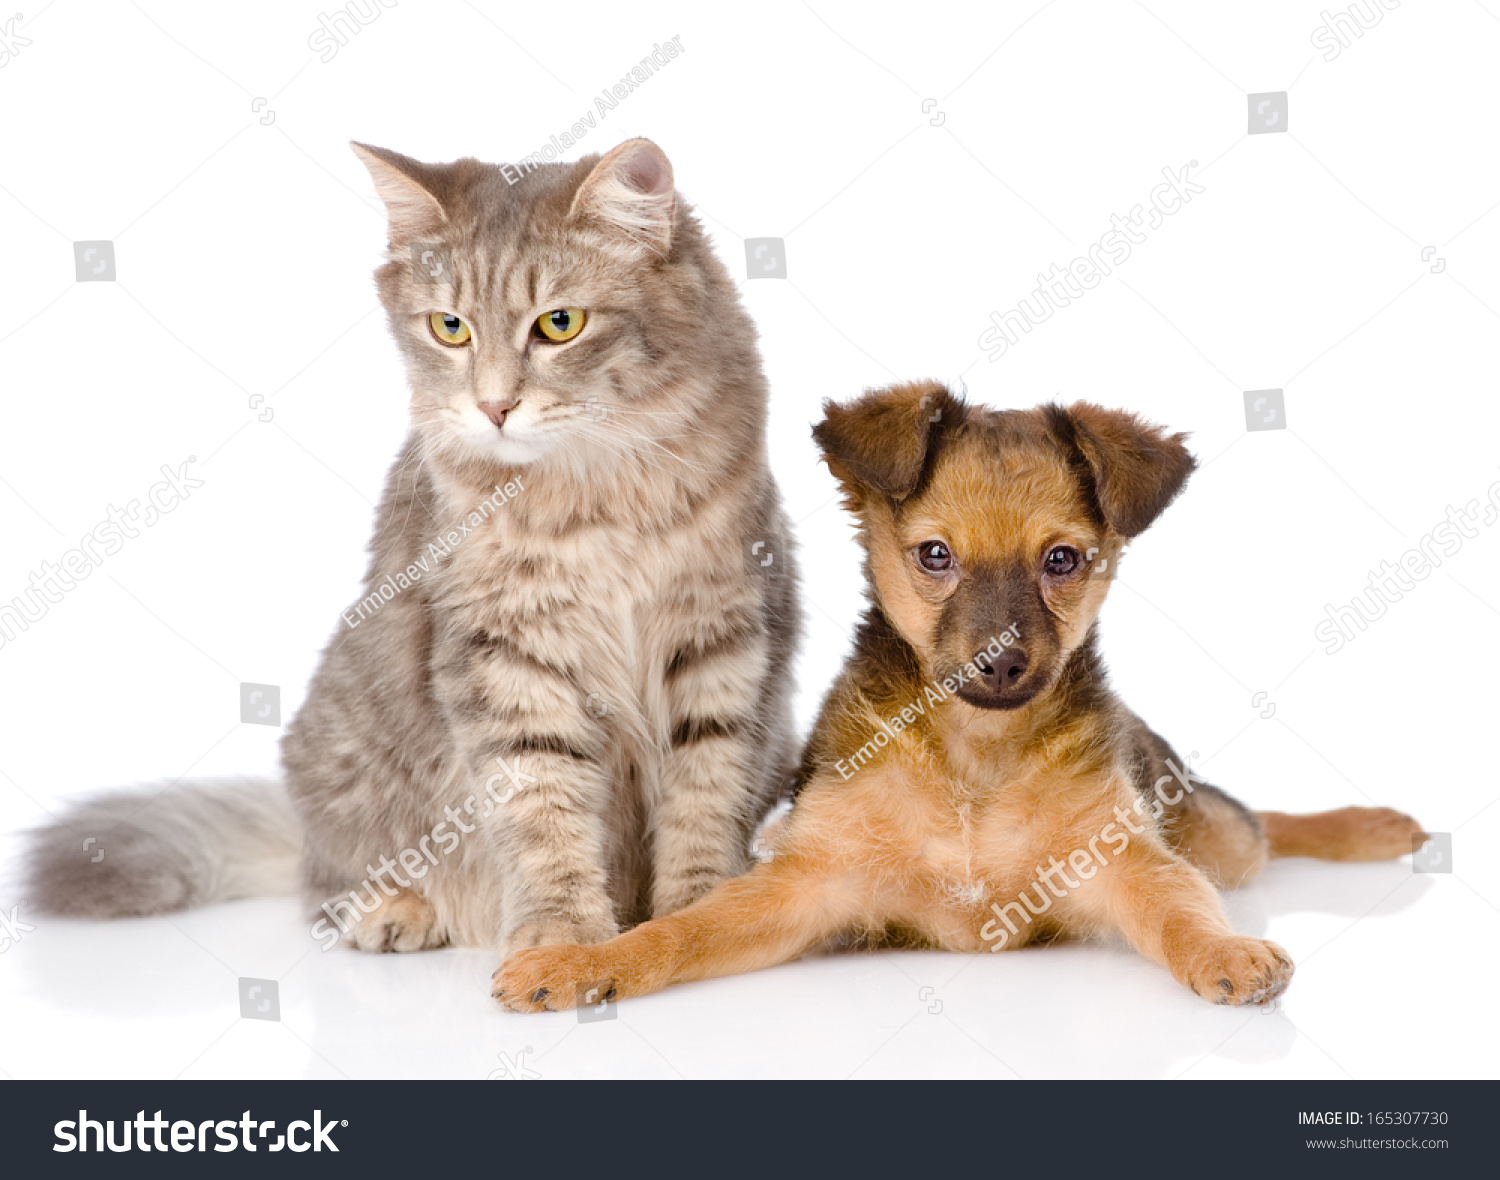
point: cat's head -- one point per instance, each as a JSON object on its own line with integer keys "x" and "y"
{"x": 541, "y": 308}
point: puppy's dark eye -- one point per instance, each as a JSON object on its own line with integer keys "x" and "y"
{"x": 934, "y": 557}
{"x": 1063, "y": 560}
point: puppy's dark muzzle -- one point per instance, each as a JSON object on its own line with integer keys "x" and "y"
{"x": 998, "y": 673}
{"x": 1000, "y": 681}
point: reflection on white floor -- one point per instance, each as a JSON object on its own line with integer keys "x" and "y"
{"x": 1391, "y": 982}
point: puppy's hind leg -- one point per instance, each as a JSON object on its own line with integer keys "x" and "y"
{"x": 1220, "y": 835}
{"x": 1232, "y": 843}
{"x": 1209, "y": 827}
{"x": 1348, "y": 834}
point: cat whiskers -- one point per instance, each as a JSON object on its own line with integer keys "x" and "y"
{"x": 395, "y": 480}
{"x": 600, "y": 430}
{"x": 614, "y": 444}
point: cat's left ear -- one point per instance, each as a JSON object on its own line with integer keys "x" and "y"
{"x": 405, "y": 185}
{"x": 630, "y": 192}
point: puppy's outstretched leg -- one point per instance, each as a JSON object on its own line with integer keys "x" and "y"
{"x": 1348, "y": 834}
{"x": 1171, "y": 913}
{"x": 772, "y": 914}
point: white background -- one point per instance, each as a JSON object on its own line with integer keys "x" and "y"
{"x": 244, "y": 248}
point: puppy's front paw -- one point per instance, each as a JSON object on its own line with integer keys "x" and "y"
{"x": 553, "y": 979}
{"x": 1239, "y": 971}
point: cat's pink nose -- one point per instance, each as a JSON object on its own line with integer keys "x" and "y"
{"x": 496, "y": 411}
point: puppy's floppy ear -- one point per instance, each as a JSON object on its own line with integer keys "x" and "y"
{"x": 882, "y": 440}
{"x": 1137, "y": 468}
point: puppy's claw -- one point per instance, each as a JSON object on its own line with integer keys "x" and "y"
{"x": 550, "y": 979}
{"x": 1246, "y": 970}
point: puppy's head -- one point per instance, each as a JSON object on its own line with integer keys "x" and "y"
{"x": 992, "y": 535}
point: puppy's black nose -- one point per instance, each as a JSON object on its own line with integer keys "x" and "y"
{"x": 998, "y": 673}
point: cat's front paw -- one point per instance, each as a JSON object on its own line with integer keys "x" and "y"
{"x": 553, "y": 979}
{"x": 403, "y": 922}
{"x": 556, "y": 931}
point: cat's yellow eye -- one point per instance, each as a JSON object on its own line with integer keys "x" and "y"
{"x": 449, "y": 329}
{"x": 561, "y": 325}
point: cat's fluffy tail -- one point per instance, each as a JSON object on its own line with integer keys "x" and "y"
{"x": 152, "y": 850}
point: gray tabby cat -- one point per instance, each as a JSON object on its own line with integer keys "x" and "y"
{"x": 562, "y": 703}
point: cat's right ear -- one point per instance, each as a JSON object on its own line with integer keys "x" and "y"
{"x": 401, "y": 183}
{"x": 630, "y": 193}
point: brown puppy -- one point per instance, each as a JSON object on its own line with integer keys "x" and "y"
{"x": 972, "y": 782}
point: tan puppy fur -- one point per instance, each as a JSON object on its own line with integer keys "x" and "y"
{"x": 972, "y": 752}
